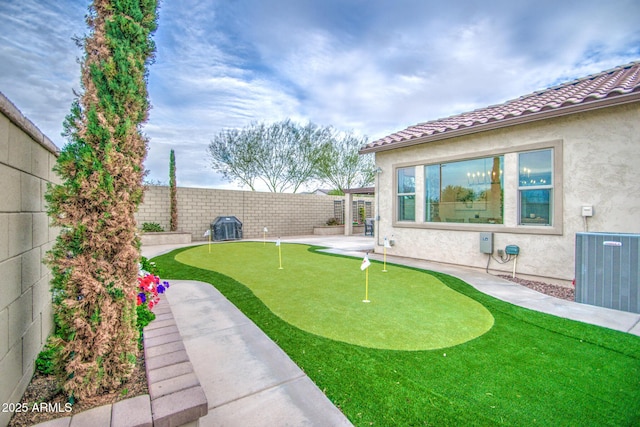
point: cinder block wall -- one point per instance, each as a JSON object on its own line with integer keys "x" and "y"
{"x": 26, "y": 320}
{"x": 283, "y": 214}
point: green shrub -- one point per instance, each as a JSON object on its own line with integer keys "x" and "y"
{"x": 152, "y": 227}
{"x": 145, "y": 316}
{"x": 46, "y": 361}
{"x": 149, "y": 266}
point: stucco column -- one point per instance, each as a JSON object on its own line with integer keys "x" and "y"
{"x": 348, "y": 216}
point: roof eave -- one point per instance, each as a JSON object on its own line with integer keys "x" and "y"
{"x": 512, "y": 121}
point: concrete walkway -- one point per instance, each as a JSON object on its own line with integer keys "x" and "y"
{"x": 247, "y": 379}
{"x": 250, "y": 381}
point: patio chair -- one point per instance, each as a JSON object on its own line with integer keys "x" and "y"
{"x": 368, "y": 226}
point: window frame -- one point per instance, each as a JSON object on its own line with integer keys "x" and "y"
{"x": 477, "y": 220}
{"x": 398, "y": 194}
{"x": 524, "y": 188}
{"x": 510, "y": 208}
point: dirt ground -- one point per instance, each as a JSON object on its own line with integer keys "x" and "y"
{"x": 44, "y": 389}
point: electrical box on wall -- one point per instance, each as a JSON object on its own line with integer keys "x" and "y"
{"x": 512, "y": 250}
{"x": 486, "y": 242}
{"x": 587, "y": 211}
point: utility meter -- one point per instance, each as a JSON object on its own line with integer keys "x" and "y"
{"x": 486, "y": 242}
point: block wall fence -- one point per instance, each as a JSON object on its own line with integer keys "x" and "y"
{"x": 26, "y": 315}
{"x": 27, "y": 158}
{"x": 284, "y": 214}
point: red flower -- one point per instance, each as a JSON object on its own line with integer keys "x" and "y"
{"x": 149, "y": 287}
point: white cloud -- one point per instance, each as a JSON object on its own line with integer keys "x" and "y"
{"x": 38, "y": 67}
{"x": 373, "y": 67}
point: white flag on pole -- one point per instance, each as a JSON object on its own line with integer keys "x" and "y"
{"x": 265, "y": 230}
{"x": 278, "y": 242}
{"x": 386, "y": 243}
{"x": 365, "y": 262}
{"x": 207, "y": 233}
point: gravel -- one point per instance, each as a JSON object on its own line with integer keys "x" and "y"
{"x": 557, "y": 291}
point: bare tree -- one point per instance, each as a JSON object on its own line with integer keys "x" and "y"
{"x": 342, "y": 167}
{"x": 283, "y": 155}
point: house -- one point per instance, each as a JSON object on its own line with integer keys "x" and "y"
{"x": 318, "y": 192}
{"x": 530, "y": 172}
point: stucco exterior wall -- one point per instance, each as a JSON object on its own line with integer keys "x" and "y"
{"x": 26, "y": 319}
{"x": 283, "y": 214}
{"x": 597, "y": 155}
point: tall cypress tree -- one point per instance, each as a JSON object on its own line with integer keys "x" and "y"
{"x": 173, "y": 223}
{"x": 94, "y": 261}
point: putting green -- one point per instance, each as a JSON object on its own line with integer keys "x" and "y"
{"x": 409, "y": 309}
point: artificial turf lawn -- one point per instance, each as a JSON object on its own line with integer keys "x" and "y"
{"x": 409, "y": 310}
{"x": 528, "y": 369}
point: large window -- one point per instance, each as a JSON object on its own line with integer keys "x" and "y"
{"x": 535, "y": 187}
{"x": 407, "y": 194}
{"x": 468, "y": 191}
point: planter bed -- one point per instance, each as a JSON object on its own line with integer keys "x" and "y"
{"x": 164, "y": 238}
{"x": 175, "y": 395}
{"x": 334, "y": 230}
{"x": 328, "y": 230}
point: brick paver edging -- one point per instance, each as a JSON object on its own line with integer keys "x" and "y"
{"x": 176, "y": 395}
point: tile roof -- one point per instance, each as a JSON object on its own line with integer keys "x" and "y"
{"x": 615, "y": 86}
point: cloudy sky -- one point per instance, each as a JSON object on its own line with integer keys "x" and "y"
{"x": 368, "y": 66}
